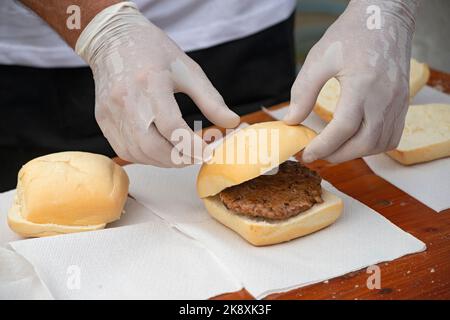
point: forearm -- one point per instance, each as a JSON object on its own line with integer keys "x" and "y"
{"x": 54, "y": 12}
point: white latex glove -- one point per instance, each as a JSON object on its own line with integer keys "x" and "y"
{"x": 137, "y": 69}
{"x": 372, "y": 66}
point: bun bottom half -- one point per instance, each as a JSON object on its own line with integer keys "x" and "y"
{"x": 27, "y": 228}
{"x": 421, "y": 154}
{"x": 260, "y": 232}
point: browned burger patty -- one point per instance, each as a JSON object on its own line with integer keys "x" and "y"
{"x": 292, "y": 190}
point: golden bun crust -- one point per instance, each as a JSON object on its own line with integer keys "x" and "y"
{"x": 260, "y": 232}
{"x": 68, "y": 189}
{"x": 226, "y": 169}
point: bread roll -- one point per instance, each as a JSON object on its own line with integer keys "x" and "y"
{"x": 216, "y": 176}
{"x": 67, "y": 192}
{"x": 261, "y": 232}
{"x": 426, "y": 135}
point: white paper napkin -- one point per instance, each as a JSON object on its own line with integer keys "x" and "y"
{"x": 18, "y": 278}
{"x": 361, "y": 237}
{"x": 6, "y": 234}
{"x": 149, "y": 260}
{"x": 427, "y": 182}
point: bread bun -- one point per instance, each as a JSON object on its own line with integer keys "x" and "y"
{"x": 216, "y": 176}
{"x": 67, "y": 192}
{"x": 426, "y": 135}
{"x": 331, "y": 91}
{"x": 418, "y": 77}
{"x": 26, "y": 228}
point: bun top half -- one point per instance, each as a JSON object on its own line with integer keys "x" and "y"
{"x": 249, "y": 153}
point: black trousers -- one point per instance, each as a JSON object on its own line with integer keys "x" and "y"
{"x": 50, "y": 110}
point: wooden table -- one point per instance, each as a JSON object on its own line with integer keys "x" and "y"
{"x": 423, "y": 275}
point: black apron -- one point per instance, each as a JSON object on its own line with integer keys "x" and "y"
{"x": 51, "y": 110}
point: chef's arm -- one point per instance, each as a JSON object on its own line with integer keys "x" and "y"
{"x": 55, "y": 13}
{"x": 137, "y": 69}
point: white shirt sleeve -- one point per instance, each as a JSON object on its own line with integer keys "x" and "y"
{"x": 25, "y": 39}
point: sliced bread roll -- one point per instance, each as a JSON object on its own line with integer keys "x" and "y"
{"x": 226, "y": 170}
{"x": 426, "y": 135}
{"x": 329, "y": 95}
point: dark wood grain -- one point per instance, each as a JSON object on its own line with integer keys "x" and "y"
{"x": 424, "y": 275}
{"x": 440, "y": 80}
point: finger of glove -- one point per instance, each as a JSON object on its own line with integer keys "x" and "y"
{"x": 131, "y": 133}
{"x": 139, "y": 155}
{"x": 112, "y": 134}
{"x": 172, "y": 126}
{"x": 306, "y": 88}
{"x": 346, "y": 122}
{"x": 155, "y": 146}
{"x": 366, "y": 139}
{"x": 394, "y": 122}
{"x": 110, "y": 123}
{"x": 190, "y": 79}
{"x": 363, "y": 143}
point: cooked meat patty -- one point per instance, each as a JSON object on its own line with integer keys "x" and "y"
{"x": 292, "y": 190}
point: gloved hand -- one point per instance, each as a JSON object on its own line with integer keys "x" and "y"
{"x": 137, "y": 69}
{"x": 372, "y": 66}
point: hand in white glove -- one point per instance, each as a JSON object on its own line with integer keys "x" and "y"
{"x": 372, "y": 66}
{"x": 137, "y": 69}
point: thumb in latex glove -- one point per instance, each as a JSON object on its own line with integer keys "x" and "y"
{"x": 372, "y": 65}
{"x": 137, "y": 69}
